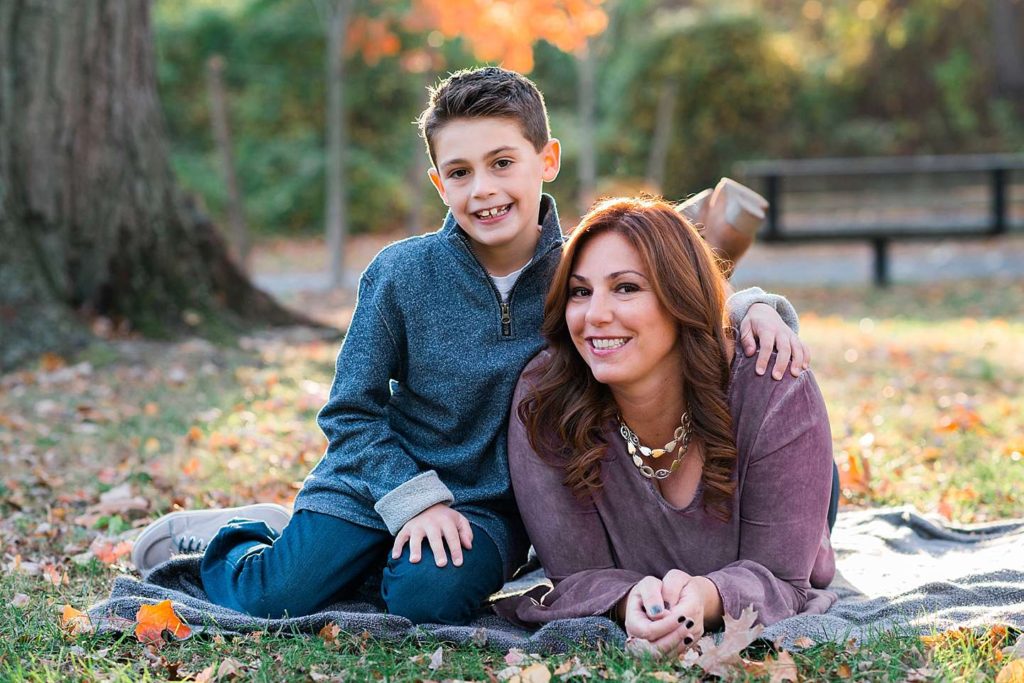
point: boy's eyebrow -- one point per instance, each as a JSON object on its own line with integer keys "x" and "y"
{"x": 493, "y": 152}
{"x": 611, "y": 276}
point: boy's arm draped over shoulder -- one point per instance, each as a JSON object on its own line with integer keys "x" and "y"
{"x": 739, "y": 304}
{"x": 361, "y": 443}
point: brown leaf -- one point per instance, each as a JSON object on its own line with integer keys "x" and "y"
{"x": 723, "y": 658}
{"x": 515, "y": 657}
{"x": 109, "y": 550}
{"x": 75, "y": 622}
{"x": 803, "y": 642}
{"x": 330, "y": 632}
{"x": 535, "y": 673}
{"x": 781, "y": 669}
{"x": 844, "y": 671}
{"x": 436, "y": 659}
{"x": 1012, "y": 672}
{"x": 153, "y": 620}
{"x": 20, "y": 600}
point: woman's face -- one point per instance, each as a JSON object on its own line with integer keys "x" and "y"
{"x": 616, "y": 321}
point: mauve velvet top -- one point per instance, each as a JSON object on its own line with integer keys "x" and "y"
{"x": 774, "y": 554}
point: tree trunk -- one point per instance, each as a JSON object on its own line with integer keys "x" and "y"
{"x": 90, "y": 215}
{"x": 1007, "y": 24}
{"x": 222, "y": 135}
{"x": 587, "y": 103}
{"x": 662, "y": 138}
{"x": 337, "y": 210}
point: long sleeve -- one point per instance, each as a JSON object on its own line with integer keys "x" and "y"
{"x": 355, "y": 420}
{"x": 740, "y": 302}
{"x": 583, "y": 571}
{"x": 782, "y": 510}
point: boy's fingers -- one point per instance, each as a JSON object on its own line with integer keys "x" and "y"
{"x": 465, "y": 532}
{"x": 451, "y": 537}
{"x": 765, "y": 353}
{"x": 437, "y": 546}
{"x": 796, "y": 365}
{"x": 747, "y": 338}
{"x": 782, "y": 359}
{"x": 415, "y": 547}
{"x": 400, "y": 540}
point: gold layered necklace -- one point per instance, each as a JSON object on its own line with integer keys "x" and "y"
{"x": 680, "y": 443}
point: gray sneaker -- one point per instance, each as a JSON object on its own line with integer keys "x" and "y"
{"x": 189, "y": 531}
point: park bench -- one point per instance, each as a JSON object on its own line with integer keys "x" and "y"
{"x": 880, "y": 200}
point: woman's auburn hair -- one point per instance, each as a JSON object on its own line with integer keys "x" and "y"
{"x": 566, "y": 409}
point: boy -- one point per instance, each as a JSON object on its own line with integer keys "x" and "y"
{"x": 417, "y": 415}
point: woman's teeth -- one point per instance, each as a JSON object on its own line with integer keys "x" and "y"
{"x": 607, "y": 343}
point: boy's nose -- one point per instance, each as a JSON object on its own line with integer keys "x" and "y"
{"x": 483, "y": 187}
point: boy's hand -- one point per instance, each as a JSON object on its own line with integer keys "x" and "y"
{"x": 439, "y": 524}
{"x": 762, "y": 323}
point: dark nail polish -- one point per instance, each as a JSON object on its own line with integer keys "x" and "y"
{"x": 655, "y": 609}
{"x": 682, "y": 619}
{"x": 689, "y": 623}
{"x": 687, "y": 640}
{"x": 666, "y": 604}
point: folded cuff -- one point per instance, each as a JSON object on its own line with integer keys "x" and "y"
{"x": 739, "y": 303}
{"x": 410, "y": 499}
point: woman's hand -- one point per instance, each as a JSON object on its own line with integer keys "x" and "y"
{"x": 440, "y": 525}
{"x": 647, "y": 617}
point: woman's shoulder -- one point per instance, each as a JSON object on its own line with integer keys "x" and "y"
{"x": 754, "y": 396}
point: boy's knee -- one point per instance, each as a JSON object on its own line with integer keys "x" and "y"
{"x": 425, "y": 593}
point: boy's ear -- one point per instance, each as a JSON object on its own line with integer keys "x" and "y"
{"x": 551, "y": 155}
{"x": 435, "y": 180}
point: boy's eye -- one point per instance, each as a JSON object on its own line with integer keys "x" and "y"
{"x": 503, "y": 163}
{"x": 458, "y": 173}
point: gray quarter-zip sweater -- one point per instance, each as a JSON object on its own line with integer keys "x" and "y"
{"x": 418, "y": 412}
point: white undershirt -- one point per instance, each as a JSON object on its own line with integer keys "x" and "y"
{"x": 505, "y": 283}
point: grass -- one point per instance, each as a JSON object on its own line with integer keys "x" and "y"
{"x": 925, "y": 387}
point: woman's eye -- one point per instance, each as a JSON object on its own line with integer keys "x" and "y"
{"x": 579, "y": 291}
{"x": 627, "y": 288}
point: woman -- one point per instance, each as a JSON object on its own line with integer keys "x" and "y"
{"x": 662, "y": 481}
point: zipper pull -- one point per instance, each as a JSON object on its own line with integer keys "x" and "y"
{"x": 506, "y": 320}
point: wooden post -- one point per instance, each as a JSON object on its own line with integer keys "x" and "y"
{"x": 222, "y": 135}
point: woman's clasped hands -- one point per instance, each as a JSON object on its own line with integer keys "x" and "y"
{"x": 666, "y": 616}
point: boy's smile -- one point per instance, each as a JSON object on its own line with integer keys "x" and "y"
{"x": 491, "y": 177}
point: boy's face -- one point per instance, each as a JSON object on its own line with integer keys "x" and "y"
{"x": 490, "y": 176}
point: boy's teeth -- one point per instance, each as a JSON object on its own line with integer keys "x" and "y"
{"x": 487, "y": 213}
{"x": 608, "y": 343}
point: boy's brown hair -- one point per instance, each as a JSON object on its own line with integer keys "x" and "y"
{"x": 486, "y": 92}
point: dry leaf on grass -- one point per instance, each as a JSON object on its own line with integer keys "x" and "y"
{"x": 153, "y": 620}
{"x": 781, "y": 669}
{"x": 1012, "y": 672}
{"x": 803, "y": 642}
{"x": 75, "y": 622}
{"x": 723, "y": 658}
{"x": 20, "y": 600}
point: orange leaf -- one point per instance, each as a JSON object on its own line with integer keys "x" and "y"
{"x": 75, "y": 622}
{"x": 153, "y": 620}
{"x": 109, "y": 551}
{"x": 51, "y": 361}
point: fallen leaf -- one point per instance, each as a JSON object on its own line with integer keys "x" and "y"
{"x": 721, "y": 659}
{"x": 1012, "y": 672}
{"x": 109, "y": 550}
{"x": 153, "y": 620}
{"x": 803, "y": 642}
{"x": 638, "y": 647}
{"x": 572, "y": 668}
{"x": 20, "y": 600}
{"x": 536, "y": 673}
{"x": 515, "y": 657}
{"x": 479, "y": 637}
{"x": 844, "y": 671}
{"x": 781, "y": 669}
{"x": 75, "y": 622}
{"x": 666, "y": 676}
{"x": 436, "y": 659}
{"x": 330, "y": 632}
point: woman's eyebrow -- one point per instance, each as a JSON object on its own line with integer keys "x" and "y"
{"x": 620, "y": 273}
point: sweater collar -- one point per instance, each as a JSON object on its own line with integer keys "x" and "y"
{"x": 550, "y": 234}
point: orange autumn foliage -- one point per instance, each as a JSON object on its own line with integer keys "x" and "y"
{"x": 75, "y": 622}
{"x": 153, "y": 620}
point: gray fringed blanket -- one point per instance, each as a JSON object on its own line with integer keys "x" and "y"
{"x": 896, "y": 569}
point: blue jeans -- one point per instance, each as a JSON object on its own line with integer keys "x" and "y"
{"x": 318, "y": 559}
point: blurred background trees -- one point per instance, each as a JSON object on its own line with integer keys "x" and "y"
{"x": 683, "y": 90}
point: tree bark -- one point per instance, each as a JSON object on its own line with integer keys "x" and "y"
{"x": 222, "y": 135}
{"x": 662, "y": 138}
{"x": 1007, "y": 24}
{"x": 587, "y": 103}
{"x": 91, "y": 218}
{"x": 337, "y": 16}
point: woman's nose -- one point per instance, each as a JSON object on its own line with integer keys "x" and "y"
{"x": 599, "y": 311}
